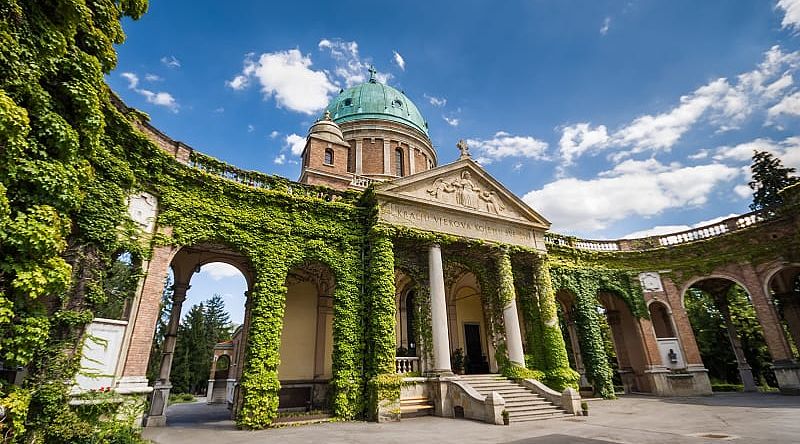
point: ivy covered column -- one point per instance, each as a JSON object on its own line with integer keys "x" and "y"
{"x": 508, "y": 300}
{"x": 384, "y": 383}
{"x": 587, "y": 320}
{"x": 558, "y": 373}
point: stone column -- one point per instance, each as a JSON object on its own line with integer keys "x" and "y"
{"x": 387, "y": 158}
{"x": 441, "y": 345}
{"x": 510, "y": 316}
{"x": 411, "y": 161}
{"x": 359, "y": 157}
{"x": 745, "y": 371}
{"x": 156, "y": 416}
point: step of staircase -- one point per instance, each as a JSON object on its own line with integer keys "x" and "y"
{"x": 522, "y": 404}
{"x": 413, "y": 407}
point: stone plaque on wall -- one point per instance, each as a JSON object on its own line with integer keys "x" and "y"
{"x": 651, "y": 281}
{"x": 100, "y": 354}
{"x": 142, "y": 209}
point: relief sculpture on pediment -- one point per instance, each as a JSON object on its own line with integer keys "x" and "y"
{"x": 466, "y": 194}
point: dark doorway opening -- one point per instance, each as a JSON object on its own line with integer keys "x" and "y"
{"x": 475, "y": 362}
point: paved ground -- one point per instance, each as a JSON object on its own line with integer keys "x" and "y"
{"x": 744, "y": 418}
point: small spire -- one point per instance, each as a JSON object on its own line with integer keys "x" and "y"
{"x": 464, "y": 148}
{"x": 372, "y": 72}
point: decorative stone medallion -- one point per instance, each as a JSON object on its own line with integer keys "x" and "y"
{"x": 651, "y": 281}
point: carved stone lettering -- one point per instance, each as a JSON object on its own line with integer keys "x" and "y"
{"x": 461, "y": 224}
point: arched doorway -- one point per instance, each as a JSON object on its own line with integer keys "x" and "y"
{"x": 470, "y": 344}
{"x": 306, "y": 348}
{"x": 409, "y": 354}
{"x": 566, "y": 316}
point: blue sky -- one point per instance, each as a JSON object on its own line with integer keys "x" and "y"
{"x": 610, "y": 118}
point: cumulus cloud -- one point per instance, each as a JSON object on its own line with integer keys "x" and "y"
{"x": 504, "y": 145}
{"x": 220, "y": 270}
{"x": 667, "y": 229}
{"x": 399, "y": 60}
{"x": 452, "y": 121}
{"x": 160, "y": 98}
{"x": 722, "y": 103}
{"x": 606, "y": 25}
{"x": 436, "y": 101}
{"x": 295, "y": 143}
{"x": 280, "y": 159}
{"x": 579, "y": 138}
{"x": 171, "y": 62}
{"x": 791, "y": 13}
{"x": 788, "y": 150}
{"x": 287, "y": 77}
{"x": 349, "y": 66}
{"x": 789, "y": 105}
{"x": 644, "y": 189}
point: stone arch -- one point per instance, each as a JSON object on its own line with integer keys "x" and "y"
{"x": 782, "y": 285}
{"x": 661, "y": 318}
{"x": 185, "y": 261}
{"x": 407, "y": 300}
{"x": 469, "y": 320}
{"x": 566, "y": 302}
{"x": 628, "y": 340}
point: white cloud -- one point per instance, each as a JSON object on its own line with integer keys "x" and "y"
{"x": 238, "y": 83}
{"x": 436, "y": 101}
{"x": 399, "y": 60}
{"x": 295, "y": 143}
{"x": 219, "y": 110}
{"x": 274, "y": 134}
{"x": 579, "y": 138}
{"x": 606, "y": 25}
{"x": 721, "y": 103}
{"x": 791, "y": 10}
{"x": 280, "y": 159}
{"x": 160, "y": 98}
{"x": 349, "y": 65}
{"x": 789, "y": 105}
{"x": 743, "y": 191}
{"x": 589, "y": 205}
{"x": 220, "y": 270}
{"x": 452, "y": 121}
{"x": 506, "y": 145}
{"x": 788, "y": 150}
{"x": 287, "y": 76}
{"x": 133, "y": 79}
{"x": 250, "y": 128}
{"x": 152, "y": 77}
{"x": 667, "y": 229}
{"x": 171, "y": 61}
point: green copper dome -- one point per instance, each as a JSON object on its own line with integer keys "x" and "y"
{"x": 373, "y": 100}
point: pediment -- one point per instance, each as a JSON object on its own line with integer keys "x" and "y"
{"x": 463, "y": 186}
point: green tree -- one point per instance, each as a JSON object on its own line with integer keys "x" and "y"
{"x": 769, "y": 177}
{"x": 192, "y": 360}
{"x": 218, "y": 321}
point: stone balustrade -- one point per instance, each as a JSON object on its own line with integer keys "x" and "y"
{"x": 647, "y": 243}
{"x": 406, "y": 364}
{"x": 361, "y": 181}
{"x": 255, "y": 179}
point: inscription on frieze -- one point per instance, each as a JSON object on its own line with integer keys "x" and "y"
{"x": 458, "y": 224}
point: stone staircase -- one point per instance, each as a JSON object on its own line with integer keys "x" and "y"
{"x": 413, "y": 407}
{"x": 521, "y": 403}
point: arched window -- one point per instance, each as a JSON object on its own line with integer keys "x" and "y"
{"x": 398, "y": 162}
{"x": 662, "y": 321}
{"x": 328, "y": 156}
{"x": 411, "y": 333}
